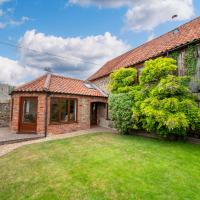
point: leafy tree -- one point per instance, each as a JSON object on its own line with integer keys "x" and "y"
{"x": 122, "y": 80}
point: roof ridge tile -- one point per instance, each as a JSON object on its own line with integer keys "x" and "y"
{"x": 47, "y": 82}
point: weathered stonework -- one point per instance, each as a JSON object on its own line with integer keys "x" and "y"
{"x": 102, "y": 83}
{"x": 4, "y": 114}
{"x": 5, "y": 90}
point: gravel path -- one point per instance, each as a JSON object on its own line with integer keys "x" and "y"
{"x": 4, "y": 149}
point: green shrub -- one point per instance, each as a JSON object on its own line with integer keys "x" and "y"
{"x": 164, "y": 103}
{"x": 161, "y": 102}
{"x": 122, "y": 80}
{"x": 156, "y": 69}
{"x": 120, "y": 111}
{"x": 164, "y": 116}
{"x": 172, "y": 86}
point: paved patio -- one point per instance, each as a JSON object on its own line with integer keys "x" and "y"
{"x": 6, "y": 148}
{"x": 8, "y": 137}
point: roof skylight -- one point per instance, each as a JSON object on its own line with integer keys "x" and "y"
{"x": 88, "y": 85}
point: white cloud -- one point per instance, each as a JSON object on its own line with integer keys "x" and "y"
{"x": 14, "y": 73}
{"x": 76, "y": 55}
{"x": 6, "y": 19}
{"x": 14, "y": 22}
{"x": 102, "y": 3}
{"x": 4, "y": 1}
{"x": 18, "y": 22}
{"x": 145, "y": 15}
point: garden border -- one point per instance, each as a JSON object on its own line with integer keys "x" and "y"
{"x": 143, "y": 133}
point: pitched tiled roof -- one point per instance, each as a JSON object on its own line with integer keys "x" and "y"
{"x": 186, "y": 33}
{"x": 59, "y": 84}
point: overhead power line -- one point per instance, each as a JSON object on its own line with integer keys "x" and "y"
{"x": 47, "y": 53}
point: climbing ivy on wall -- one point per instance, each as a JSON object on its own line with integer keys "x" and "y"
{"x": 174, "y": 55}
{"x": 191, "y": 60}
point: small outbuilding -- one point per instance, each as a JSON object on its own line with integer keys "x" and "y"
{"x": 53, "y": 104}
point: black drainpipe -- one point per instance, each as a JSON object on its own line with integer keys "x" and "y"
{"x": 46, "y": 114}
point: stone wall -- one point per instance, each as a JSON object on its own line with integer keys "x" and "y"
{"x": 4, "y": 114}
{"x": 102, "y": 83}
{"x": 4, "y": 92}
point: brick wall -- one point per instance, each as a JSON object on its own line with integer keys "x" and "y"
{"x": 4, "y": 114}
{"x": 83, "y": 115}
{"x": 16, "y": 109}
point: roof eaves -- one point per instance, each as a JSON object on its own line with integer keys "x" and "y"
{"x": 78, "y": 94}
{"x": 151, "y": 57}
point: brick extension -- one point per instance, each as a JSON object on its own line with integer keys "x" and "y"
{"x": 58, "y": 86}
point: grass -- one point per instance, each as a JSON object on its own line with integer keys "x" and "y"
{"x": 102, "y": 166}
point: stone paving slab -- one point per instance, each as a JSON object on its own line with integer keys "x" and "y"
{"x": 4, "y": 149}
{"x": 7, "y": 136}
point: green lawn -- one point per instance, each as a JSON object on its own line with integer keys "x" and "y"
{"x": 102, "y": 166}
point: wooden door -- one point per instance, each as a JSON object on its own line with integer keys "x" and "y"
{"x": 28, "y": 115}
{"x": 93, "y": 114}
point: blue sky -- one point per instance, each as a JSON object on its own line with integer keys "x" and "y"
{"x": 76, "y": 37}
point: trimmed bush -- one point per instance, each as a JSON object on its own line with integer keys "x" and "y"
{"x": 120, "y": 111}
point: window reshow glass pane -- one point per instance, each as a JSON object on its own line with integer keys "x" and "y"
{"x": 64, "y": 110}
{"x": 72, "y": 116}
{"x": 54, "y": 110}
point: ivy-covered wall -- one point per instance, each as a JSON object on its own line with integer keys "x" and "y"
{"x": 189, "y": 64}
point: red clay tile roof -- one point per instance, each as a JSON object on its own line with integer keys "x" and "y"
{"x": 59, "y": 84}
{"x": 187, "y": 33}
